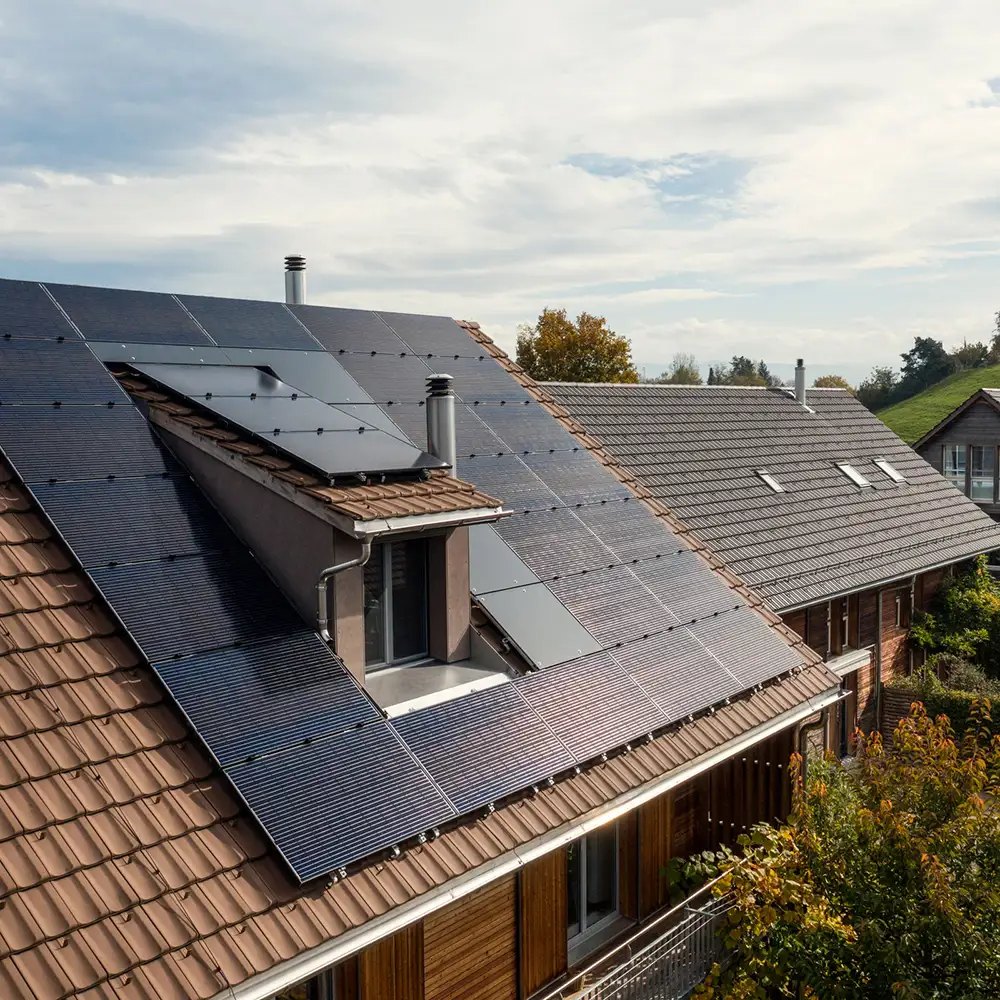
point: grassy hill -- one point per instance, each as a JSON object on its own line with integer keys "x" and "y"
{"x": 914, "y": 417}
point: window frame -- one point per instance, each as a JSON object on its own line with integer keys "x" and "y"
{"x": 383, "y": 550}
{"x": 854, "y": 475}
{"x": 771, "y": 480}
{"x": 586, "y": 933}
{"x": 957, "y": 479}
{"x": 989, "y": 479}
{"x": 893, "y": 473}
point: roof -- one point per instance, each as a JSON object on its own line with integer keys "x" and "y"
{"x": 130, "y": 871}
{"x": 989, "y": 396}
{"x": 698, "y": 450}
{"x": 439, "y": 493}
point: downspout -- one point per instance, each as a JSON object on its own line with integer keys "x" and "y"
{"x": 323, "y": 586}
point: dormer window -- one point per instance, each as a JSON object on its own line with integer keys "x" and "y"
{"x": 395, "y": 608}
{"x": 855, "y": 477}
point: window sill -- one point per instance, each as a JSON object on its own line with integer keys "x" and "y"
{"x": 593, "y": 939}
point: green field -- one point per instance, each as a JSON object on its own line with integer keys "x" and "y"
{"x": 914, "y": 417}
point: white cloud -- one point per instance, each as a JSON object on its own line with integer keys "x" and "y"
{"x": 420, "y": 155}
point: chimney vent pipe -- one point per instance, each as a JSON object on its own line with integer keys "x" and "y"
{"x": 295, "y": 280}
{"x": 441, "y": 420}
{"x": 800, "y": 382}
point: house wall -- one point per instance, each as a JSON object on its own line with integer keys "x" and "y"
{"x": 979, "y": 424}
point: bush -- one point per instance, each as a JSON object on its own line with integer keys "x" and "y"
{"x": 957, "y": 705}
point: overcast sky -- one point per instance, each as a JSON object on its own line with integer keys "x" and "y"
{"x": 771, "y": 178}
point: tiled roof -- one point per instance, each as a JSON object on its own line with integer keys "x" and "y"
{"x": 697, "y": 449}
{"x": 439, "y": 493}
{"x": 128, "y": 869}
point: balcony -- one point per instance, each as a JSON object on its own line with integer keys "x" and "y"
{"x": 664, "y": 960}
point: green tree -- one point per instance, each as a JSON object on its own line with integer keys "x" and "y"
{"x": 969, "y": 356}
{"x": 883, "y": 883}
{"x": 556, "y": 349}
{"x": 926, "y": 363}
{"x": 683, "y": 370}
{"x": 834, "y": 382}
{"x": 878, "y": 389}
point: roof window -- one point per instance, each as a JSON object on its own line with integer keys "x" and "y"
{"x": 893, "y": 474}
{"x": 855, "y": 477}
{"x": 771, "y": 481}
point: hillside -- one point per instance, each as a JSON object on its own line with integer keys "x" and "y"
{"x": 914, "y": 417}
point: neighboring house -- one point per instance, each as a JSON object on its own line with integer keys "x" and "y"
{"x": 963, "y": 448}
{"x": 816, "y": 505}
{"x": 293, "y": 704}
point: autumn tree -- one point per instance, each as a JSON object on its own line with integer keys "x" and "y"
{"x": 556, "y": 349}
{"x": 883, "y": 883}
{"x": 683, "y": 370}
{"x": 833, "y": 382}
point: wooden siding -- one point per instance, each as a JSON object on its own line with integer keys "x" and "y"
{"x": 928, "y": 585}
{"x": 393, "y": 968}
{"x": 628, "y": 865}
{"x": 470, "y": 948}
{"x": 868, "y": 612}
{"x": 654, "y": 853}
{"x": 796, "y": 621}
{"x": 542, "y": 930}
{"x": 817, "y": 636}
{"x": 895, "y": 647}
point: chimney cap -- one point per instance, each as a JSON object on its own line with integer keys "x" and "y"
{"x": 439, "y": 385}
{"x": 295, "y": 262}
{"x": 798, "y": 363}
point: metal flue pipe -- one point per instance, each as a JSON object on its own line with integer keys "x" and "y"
{"x": 441, "y": 420}
{"x": 295, "y": 280}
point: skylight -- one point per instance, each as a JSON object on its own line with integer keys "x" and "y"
{"x": 893, "y": 474}
{"x": 771, "y": 481}
{"x": 855, "y": 477}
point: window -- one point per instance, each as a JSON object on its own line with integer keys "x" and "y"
{"x": 982, "y": 459}
{"x": 771, "y": 481}
{"x": 321, "y": 987}
{"x": 396, "y": 603}
{"x": 954, "y": 465}
{"x": 845, "y": 624}
{"x": 592, "y": 883}
{"x": 852, "y": 474}
{"x": 893, "y": 474}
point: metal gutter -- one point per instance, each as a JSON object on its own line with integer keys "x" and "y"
{"x": 424, "y": 522}
{"x": 266, "y": 984}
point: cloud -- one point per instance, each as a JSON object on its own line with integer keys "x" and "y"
{"x": 749, "y": 166}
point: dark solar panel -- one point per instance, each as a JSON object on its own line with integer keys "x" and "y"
{"x": 197, "y": 603}
{"x": 525, "y": 428}
{"x": 132, "y": 520}
{"x": 484, "y": 380}
{"x": 493, "y": 565}
{"x": 431, "y": 334}
{"x": 685, "y": 583}
{"x": 315, "y": 433}
{"x": 246, "y": 323}
{"x": 592, "y": 705}
{"x": 169, "y": 354}
{"x": 538, "y": 624}
{"x": 338, "y": 800}
{"x": 484, "y": 746}
{"x": 554, "y": 542}
{"x": 77, "y": 443}
{"x": 510, "y": 479}
{"x": 472, "y": 436}
{"x": 388, "y": 378}
{"x": 52, "y": 371}
{"x": 27, "y": 312}
{"x": 127, "y": 316}
{"x": 349, "y": 330}
{"x": 576, "y": 477}
{"x": 286, "y": 692}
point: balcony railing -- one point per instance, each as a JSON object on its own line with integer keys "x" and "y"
{"x": 663, "y": 961}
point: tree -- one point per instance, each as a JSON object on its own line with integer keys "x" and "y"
{"x": 924, "y": 364}
{"x": 883, "y": 883}
{"x": 878, "y": 389}
{"x": 834, "y": 382}
{"x": 683, "y": 370}
{"x": 557, "y": 350}
{"x": 969, "y": 356}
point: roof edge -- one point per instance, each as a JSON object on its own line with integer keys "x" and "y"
{"x": 267, "y": 984}
{"x": 979, "y": 394}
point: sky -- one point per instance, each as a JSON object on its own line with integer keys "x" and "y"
{"x": 776, "y": 179}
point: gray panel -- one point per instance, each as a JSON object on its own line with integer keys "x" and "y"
{"x": 174, "y": 354}
{"x": 538, "y": 625}
{"x": 53, "y": 371}
{"x": 26, "y": 311}
{"x": 493, "y": 565}
{"x": 249, "y": 323}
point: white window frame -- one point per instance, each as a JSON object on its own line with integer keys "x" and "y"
{"x": 771, "y": 481}
{"x": 855, "y": 477}
{"x": 385, "y": 550}
{"x": 585, "y": 932}
{"x": 894, "y": 474}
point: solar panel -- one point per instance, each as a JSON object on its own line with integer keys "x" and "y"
{"x": 592, "y": 705}
{"x": 686, "y": 585}
{"x": 321, "y": 436}
{"x": 119, "y": 314}
{"x": 132, "y": 520}
{"x": 576, "y": 477}
{"x": 197, "y": 603}
{"x": 484, "y": 380}
{"x": 431, "y": 334}
{"x": 492, "y": 563}
{"x": 26, "y": 311}
{"x": 333, "y": 802}
{"x": 484, "y": 746}
{"x": 129, "y": 353}
{"x": 79, "y": 443}
{"x": 246, "y": 323}
{"x": 286, "y": 692}
{"x": 538, "y": 624}
{"x": 554, "y": 542}
{"x": 52, "y": 371}
{"x": 351, "y": 330}
{"x": 508, "y": 477}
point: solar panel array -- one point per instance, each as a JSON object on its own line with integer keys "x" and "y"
{"x": 631, "y": 629}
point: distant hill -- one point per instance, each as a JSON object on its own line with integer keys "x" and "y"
{"x": 915, "y": 416}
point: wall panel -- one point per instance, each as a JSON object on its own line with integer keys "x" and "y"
{"x": 542, "y": 912}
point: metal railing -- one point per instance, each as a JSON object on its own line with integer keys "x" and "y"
{"x": 663, "y": 961}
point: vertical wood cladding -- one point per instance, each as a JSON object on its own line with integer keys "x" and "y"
{"x": 816, "y": 627}
{"x": 654, "y": 853}
{"x": 895, "y": 648}
{"x": 470, "y": 948}
{"x": 854, "y": 621}
{"x": 928, "y": 585}
{"x": 796, "y": 621}
{"x": 628, "y": 865}
{"x": 868, "y": 611}
{"x": 346, "y": 980}
{"x": 393, "y": 968}
{"x": 542, "y": 911}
